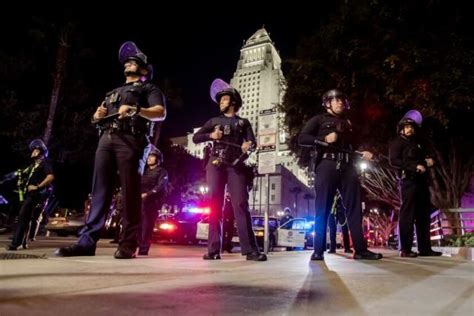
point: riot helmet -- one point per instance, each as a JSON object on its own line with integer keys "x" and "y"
{"x": 157, "y": 153}
{"x": 130, "y": 51}
{"x": 335, "y": 94}
{"x": 220, "y": 88}
{"x": 236, "y": 99}
{"x": 40, "y": 145}
{"x": 413, "y": 118}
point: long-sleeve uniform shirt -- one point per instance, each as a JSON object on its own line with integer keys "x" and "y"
{"x": 406, "y": 153}
{"x": 321, "y": 125}
{"x": 236, "y": 130}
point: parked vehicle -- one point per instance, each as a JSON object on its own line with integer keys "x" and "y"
{"x": 180, "y": 227}
{"x": 309, "y": 236}
{"x": 291, "y": 234}
{"x": 65, "y": 222}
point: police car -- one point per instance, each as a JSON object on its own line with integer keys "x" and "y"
{"x": 290, "y": 234}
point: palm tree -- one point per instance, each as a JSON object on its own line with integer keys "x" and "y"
{"x": 58, "y": 77}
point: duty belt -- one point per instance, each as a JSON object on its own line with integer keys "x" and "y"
{"x": 343, "y": 157}
{"x": 338, "y": 157}
{"x": 223, "y": 156}
{"x": 125, "y": 128}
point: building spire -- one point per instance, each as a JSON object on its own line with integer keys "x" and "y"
{"x": 259, "y": 37}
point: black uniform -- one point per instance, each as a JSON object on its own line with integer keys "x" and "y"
{"x": 406, "y": 153}
{"x": 120, "y": 147}
{"x": 334, "y": 171}
{"x": 285, "y": 220}
{"x": 34, "y": 201}
{"x": 154, "y": 184}
{"x": 220, "y": 171}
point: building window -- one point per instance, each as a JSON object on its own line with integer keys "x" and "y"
{"x": 272, "y": 197}
{"x": 273, "y": 186}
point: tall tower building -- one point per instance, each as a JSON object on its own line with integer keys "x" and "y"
{"x": 261, "y": 83}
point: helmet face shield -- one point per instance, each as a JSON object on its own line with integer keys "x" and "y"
{"x": 219, "y": 88}
{"x": 413, "y": 118}
{"x": 130, "y": 51}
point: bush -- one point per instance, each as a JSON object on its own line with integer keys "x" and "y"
{"x": 466, "y": 240}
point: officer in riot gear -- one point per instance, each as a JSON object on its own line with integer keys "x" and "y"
{"x": 409, "y": 155}
{"x": 122, "y": 118}
{"x": 154, "y": 189}
{"x": 34, "y": 188}
{"x": 335, "y": 171}
{"x": 232, "y": 138}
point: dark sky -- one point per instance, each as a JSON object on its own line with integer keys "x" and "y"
{"x": 186, "y": 48}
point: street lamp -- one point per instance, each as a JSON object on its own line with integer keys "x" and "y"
{"x": 203, "y": 189}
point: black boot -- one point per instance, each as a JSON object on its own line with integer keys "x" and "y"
{"x": 317, "y": 257}
{"x": 124, "y": 253}
{"x": 11, "y": 247}
{"x": 430, "y": 253}
{"x": 74, "y": 251}
{"x": 256, "y": 256}
{"x": 408, "y": 254}
{"x": 367, "y": 255}
{"x": 211, "y": 256}
{"x": 143, "y": 251}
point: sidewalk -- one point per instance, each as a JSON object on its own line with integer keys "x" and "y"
{"x": 174, "y": 280}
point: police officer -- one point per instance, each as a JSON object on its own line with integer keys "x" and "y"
{"x": 232, "y": 138}
{"x": 286, "y": 218}
{"x": 35, "y": 187}
{"x": 335, "y": 171}
{"x": 154, "y": 189}
{"x": 124, "y": 119}
{"x": 408, "y": 154}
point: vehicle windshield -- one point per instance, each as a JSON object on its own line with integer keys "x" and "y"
{"x": 260, "y": 222}
{"x": 187, "y": 216}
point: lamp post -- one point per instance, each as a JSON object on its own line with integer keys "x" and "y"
{"x": 203, "y": 189}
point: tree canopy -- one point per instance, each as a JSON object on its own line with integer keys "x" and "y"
{"x": 390, "y": 57}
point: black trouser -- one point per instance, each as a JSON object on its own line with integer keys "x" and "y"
{"x": 31, "y": 206}
{"x": 217, "y": 177}
{"x": 332, "y": 223}
{"x": 122, "y": 152}
{"x": 228, "y": 228}
{"x": 328, "y": 180}
{"x": 415, "y": 210}
{"x": 150, "y": 209}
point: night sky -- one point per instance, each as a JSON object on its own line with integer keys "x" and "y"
{"x": 186, "y": 49}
